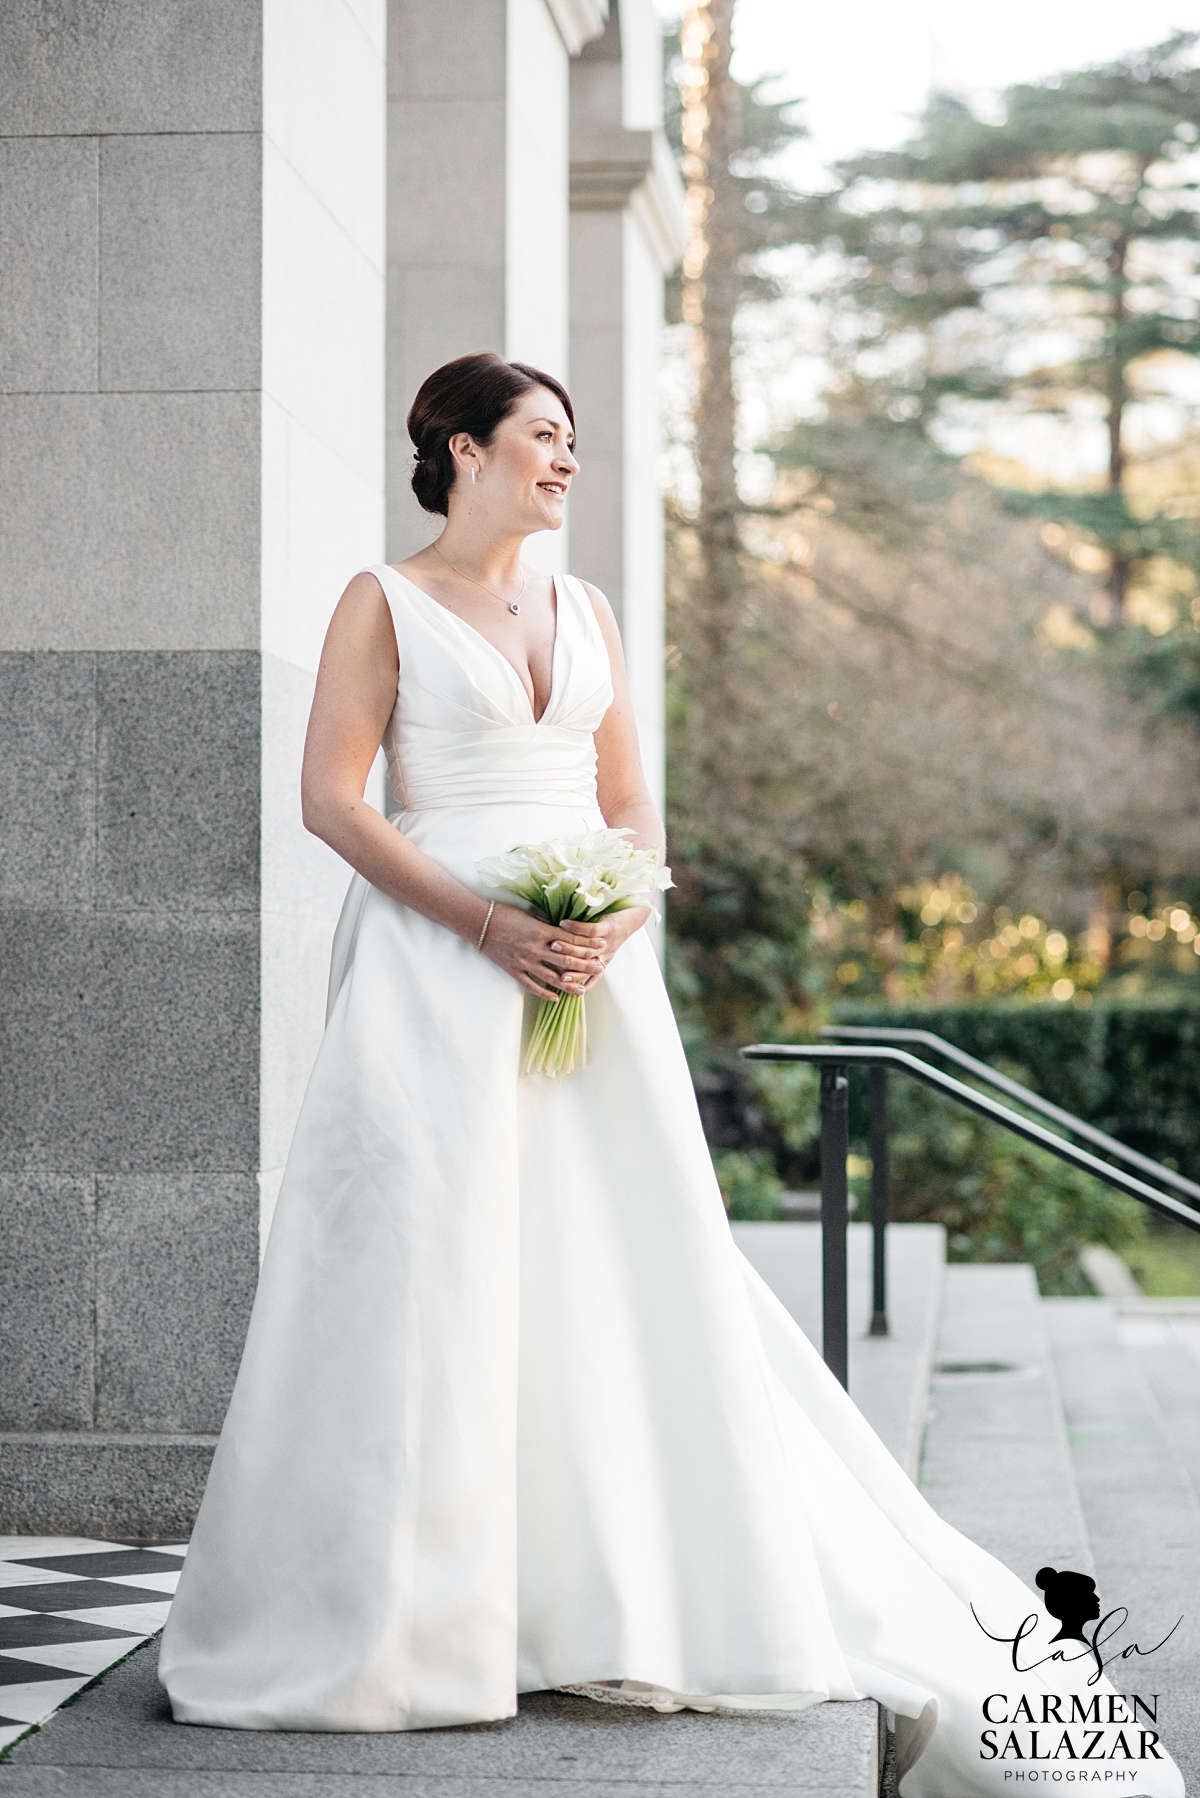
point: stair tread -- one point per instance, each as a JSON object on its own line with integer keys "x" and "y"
{"x": 1138, "y": 1499}
{"x": 1166, "y": 1343}
{"x": 996, "y": 1463}
{"x": 1126, "y": 1465}
{"x": 118, "y": 1741}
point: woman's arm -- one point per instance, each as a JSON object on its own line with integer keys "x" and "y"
{"x": 621, "y": 791}
{"x": 355, "y": 695}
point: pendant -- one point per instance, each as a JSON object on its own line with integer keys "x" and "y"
{"x": 513, "y": 607}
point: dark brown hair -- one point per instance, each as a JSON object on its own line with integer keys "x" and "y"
{"x": 472, "y": 394}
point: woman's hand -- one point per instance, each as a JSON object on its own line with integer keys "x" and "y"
{"x": 603, "y": 938}
{"x": 548, "y": 960}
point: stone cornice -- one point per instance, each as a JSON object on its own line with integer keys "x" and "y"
{"x": 616, "y": 169}
{"x": 578, "y": 21}
{"x": 607, "y": 166}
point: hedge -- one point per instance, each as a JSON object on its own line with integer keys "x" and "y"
{"x": 1134, "y": 1070}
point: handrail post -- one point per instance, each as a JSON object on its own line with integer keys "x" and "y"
{"x": 835, "y": 1145}
{"x": 880, "y": 1195}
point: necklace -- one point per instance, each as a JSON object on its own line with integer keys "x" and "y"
{"x": 512, "y": 605}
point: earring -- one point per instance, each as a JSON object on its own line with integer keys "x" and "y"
{"x": 472, "y": 474}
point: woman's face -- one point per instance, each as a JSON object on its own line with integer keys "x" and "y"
{"x": 524, "y": 473}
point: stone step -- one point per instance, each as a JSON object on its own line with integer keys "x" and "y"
{"x": 1164, "y": 1335}
{"x": 996, "y": 1461}
{"x": 1130, "y": 1388}
{"x": 118, "y": 1741}
{"x": 1067, "y": 1432}
{"x": 889, "y": 1375}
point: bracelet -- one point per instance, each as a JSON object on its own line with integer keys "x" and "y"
{"x": 491, "y": 908}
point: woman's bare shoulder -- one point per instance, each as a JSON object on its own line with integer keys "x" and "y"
{"x": 363, "y": 600}
{"x": 366, "y": 584}
{"x": 597, "y": 598}
{"x": 361, "y": 627}
{"x": 605, "y": 615}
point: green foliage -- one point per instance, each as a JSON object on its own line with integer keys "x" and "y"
{"x": 740, "y": 960}
{"x": 1108, "y": 519}
{"x": 1079, "y": 168}
{"x": 790, "y": 1098}
{"x": 1135, "y": 1071}
{"x": 1166, "y": 1261}
{"x": 1163, "y": 672}
{"x": 1039, "y": 262}
{"x": 749, "y": 1184}
{"x": 1000, "y": 1199}
{"x": 1029, "y": 264}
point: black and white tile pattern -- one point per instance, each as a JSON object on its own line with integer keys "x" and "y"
{"x": 69, "y": 1608}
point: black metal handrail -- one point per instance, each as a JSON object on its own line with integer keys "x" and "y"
{"x": 835, "y": 1060}
{"x": 981, "y": 1070}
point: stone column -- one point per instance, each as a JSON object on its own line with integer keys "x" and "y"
{"x": 191, "y": 345}
{"x": 627, "y": 233}
{"x": 478, "y": 234}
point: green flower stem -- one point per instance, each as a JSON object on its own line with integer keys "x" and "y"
{"x": 558, "y": 1043}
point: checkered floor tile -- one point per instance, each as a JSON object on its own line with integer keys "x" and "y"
{"x": 69, "y": 1608}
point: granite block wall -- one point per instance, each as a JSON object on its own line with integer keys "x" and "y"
{"x": 191, "y": 432}
{"x": 130, "y": 749}
{"x": 129, "y": 1051}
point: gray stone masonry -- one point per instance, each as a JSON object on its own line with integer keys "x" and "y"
{"x": 129, "y": 1043}
{"x": 1073, "y": 1452}
{"x": 130, "y": 749}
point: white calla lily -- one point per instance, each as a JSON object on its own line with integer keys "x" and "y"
{"x": 582, "y": 878}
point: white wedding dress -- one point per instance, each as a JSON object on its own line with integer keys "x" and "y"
{"x": 514, "y": 1412}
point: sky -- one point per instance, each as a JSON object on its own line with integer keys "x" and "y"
{"x": 864, "y": 67}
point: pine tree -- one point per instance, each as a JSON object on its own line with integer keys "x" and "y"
{"x": 766, "y": 212}
{"x": 1038, "y": 260}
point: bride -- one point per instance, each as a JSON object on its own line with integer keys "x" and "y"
{"x": 513, "y": 1411}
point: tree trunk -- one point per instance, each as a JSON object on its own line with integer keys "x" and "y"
{"x": 1118, "y": 394}
{"x": 711, "y": 138}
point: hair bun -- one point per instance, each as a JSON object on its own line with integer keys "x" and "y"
{"x": 472, "y": 395}
{"x": 1044, "y": 1576}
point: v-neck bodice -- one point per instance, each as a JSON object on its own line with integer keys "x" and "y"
{"x": 463, "y": 730}
{"x": 476, "y": 632}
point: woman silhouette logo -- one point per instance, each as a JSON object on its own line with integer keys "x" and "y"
{"x": 1072, "y": 1598}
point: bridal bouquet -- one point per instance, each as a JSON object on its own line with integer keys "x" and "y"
{"x": 582, "y": 878}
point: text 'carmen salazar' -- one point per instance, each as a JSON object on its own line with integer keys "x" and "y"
{"x": 1070, "y": 1727}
